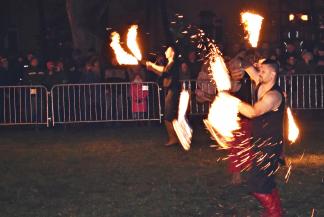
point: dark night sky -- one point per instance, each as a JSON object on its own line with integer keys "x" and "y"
{"x": 23, "y": 16}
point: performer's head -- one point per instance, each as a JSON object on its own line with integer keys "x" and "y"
{"x": 171, "y": 51}
{"x": 269, "y": 71}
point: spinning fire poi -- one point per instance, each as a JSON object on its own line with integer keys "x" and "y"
{"x": 180, "y": 125}
{"x": 293, "y": 131}
{"x": 252, "y": 25}
{"x": 222, "y": 117}
{"x": 122, "y": 56}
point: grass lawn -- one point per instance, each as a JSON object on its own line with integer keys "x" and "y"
{"x": 124, "y": 171}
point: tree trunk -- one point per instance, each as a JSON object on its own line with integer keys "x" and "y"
{"x": 83, "y": 38}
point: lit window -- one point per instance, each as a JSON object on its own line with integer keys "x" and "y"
{"x": 304, "y": 17}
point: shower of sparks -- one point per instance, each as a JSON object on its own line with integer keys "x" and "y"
{"x": 301, "y": 157}
{"x": 288, "y": 172}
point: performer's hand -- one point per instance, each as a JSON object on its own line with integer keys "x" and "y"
{"x": 245, "y": 63}
{"x": 237, "y": 74}
{"x": 148, "y": 65}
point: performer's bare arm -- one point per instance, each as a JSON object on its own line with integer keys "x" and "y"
{"x": 269, "y": 102}
{"x": 159, "y": 70}
{"x": 253, "y": 73}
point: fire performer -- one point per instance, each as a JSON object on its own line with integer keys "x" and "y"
{"x": 170, "y": 75}
{"x": 267, "y": 134}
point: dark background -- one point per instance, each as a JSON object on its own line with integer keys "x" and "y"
{"x": 45, "y": 24}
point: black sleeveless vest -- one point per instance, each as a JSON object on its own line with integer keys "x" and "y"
{"x": 269, "y": 126}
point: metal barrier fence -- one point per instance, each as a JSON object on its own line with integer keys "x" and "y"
{"x": 23, "y": 105}
{"x": 105, "y": 102}
{"x": 304, "y": 92}
{"x": 202, "y": 94}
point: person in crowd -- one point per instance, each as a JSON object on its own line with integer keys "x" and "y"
{"x": 91, "y": 71}
{"x": 184, "y": 71}
{"x": 307, "y": 65}
{"x": 193, "y": 64}
{"x": 4, "y": 72}
{"x": 205, "y": 90}
{"x": 320, "y": 59}
{"x": 290, "y": 66}
{"x": 55, "y": 73}
{"x": 34, "y": 74}
{"x": 139, "y": 94}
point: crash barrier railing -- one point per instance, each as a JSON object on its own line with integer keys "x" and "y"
{"x": 303, "y": 92}
{"x": 201, "y": 93}
{"x": 105, "y": 102}
{"x": 24, "y": 105}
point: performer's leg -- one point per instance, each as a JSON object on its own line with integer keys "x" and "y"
{"x": 172, "y": 136}
{"x": 263, "y": 188}
{"x": 270, "y": 202}
{"x": 170, "y": 113}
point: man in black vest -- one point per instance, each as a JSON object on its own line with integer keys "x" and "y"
{"x": 267, "y": 135}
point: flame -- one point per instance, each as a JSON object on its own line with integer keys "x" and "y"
{"x": 223, "y": 114}
{"x": 132, "y": 43}
{"x": 181, "y": 126}
{"x": 222, "y": 118}
{"x": 252, "y": 24}
{"x": 293, "y": 131}
{"x": 220, "y": 73}
{"x": 123, "y": 58}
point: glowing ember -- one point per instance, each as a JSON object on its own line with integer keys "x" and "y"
{"x": 293, "y": 131}
{"x": 288, "y": 172}
{"x": 181, "y": 126}
{"x": 132, "y": 43}
{"x": 123, "y": 58}
{"x": 252, "y": 24}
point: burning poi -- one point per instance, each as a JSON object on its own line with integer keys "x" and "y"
{"x": 223, "y": 114}
{"x": 252, "y": 25}
{"x": 122, "y": 56}
{"x": 180, "y": 125}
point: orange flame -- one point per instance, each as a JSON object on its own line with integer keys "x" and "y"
{"x": 223, "y": 114}
{"x": 181, "y": 126}
{"x": 132, "y": 43}
{"x": 220, "y": 73}
{"x": 123, "y": 58}
{"x": 252, "y": 24}
{"x": 223, "y": 119}
{"x": 293, "y": 131}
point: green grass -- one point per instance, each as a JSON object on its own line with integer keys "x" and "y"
{"x": 124, "y": 171}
